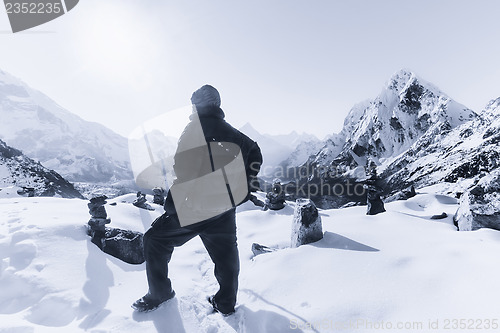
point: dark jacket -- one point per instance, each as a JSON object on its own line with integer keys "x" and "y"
{"x": 215, "y": 130}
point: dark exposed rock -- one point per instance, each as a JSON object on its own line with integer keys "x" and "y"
{"x": 423, "y": 122}
{"x": 359, "y": 150}
{"x": 125, "y": 245}
{"x": 484, "y": 161}
{"x": 411, "y": 100}
{"x": 409, "y": 192}
{"x": 26, "y": 173}
{"x": 466, "y": 133}
{"x": 141, "y": 201}
{"x": 395, "y": 124}
{"x": 260, "y": 249}
{"x": 375, "y": 205}
{"x": 306, "y": 226}
{"x": 441, "y": 216}
{"x": 490, "y": 132}
{"x": 158, "y": 196}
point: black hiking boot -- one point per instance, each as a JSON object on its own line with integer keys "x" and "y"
{"x": 147, "y": 304}
{"x": 211, "y": 300}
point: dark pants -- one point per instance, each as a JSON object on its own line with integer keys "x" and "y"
{"x": 219, "y": 237}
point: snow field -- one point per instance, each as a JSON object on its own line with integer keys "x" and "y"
{"x": 396, "y": 267}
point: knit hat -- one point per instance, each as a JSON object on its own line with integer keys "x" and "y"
{"x": 206, "y": 95}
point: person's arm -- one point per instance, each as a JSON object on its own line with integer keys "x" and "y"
{"x": 254, "y": 162}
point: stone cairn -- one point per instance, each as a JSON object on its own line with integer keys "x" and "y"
{"x": 99, "y": 217}
{"x": 275, "y": 199}
{"x": 27, "y": 191}
{"x": 374, "y": 188}
{"x": 141, "y": 199}
{"x": 158, "y": 196}
{"x": 306, "y": 226}
{"x": 125, "y": 245}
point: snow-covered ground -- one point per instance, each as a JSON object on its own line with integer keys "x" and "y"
{"x": 398, "y": 270}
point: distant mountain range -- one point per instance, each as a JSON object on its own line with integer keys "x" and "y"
{"x": 83, "y": 151}
{"x": 279, "y": 148}
{"x": 413, "y": 132}
{"x": 79, "y": 150}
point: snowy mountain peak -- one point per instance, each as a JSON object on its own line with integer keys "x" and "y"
{"x": 249, "y": 130}
{"x": 405, "y": 109}
{"x": 400, "y": 80}
{"x": 394, "y": 127}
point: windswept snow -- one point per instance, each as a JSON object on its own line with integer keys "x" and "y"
{"x": 396, "y": 268}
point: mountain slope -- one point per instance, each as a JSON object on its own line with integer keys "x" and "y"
{"x": 397, "y": 124}
{"x": 77, "y": 149}
{"x": 18, "y": 170}
{"x": 461, "y": 155}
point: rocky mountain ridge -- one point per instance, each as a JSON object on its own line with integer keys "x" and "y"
{"x": 16, "y": 169}
{"x": 415, "y": 134}
{"x": 459, "y": 155}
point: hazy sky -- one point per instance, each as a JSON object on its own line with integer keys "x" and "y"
{"x": 281, "y": 65}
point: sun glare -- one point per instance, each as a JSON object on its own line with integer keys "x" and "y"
{"x": 118, "y": 43}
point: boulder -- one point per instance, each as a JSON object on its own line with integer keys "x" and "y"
{"x": 125, "y": 245}
{"x": 480, "y": 205}
{"x": 441, "y": 216}
{"x": 260, "y": 249}
{"x": 306, "y": 226}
